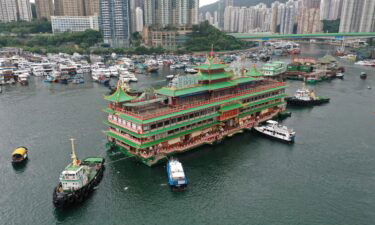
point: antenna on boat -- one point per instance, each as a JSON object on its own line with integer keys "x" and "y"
{"x": 74, "y": 156}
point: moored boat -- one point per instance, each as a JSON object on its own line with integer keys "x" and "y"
{"x": 363, "y": 75}
{"x": 78, "y": 180}
{"x": 176, "y": 175}
{"x": 275, "y": 130}
{"x": 19, "y": 155}
{"x": 340, "y": 75}
{"x": 306, "y": 97}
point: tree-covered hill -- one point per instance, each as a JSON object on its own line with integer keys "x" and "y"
{"x": 204, "y": 36}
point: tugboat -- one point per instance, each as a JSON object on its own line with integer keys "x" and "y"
{"x": 305, "y": 97}
{"x": 176, "y": 176}
{"x": 363, "y": 75}
{"x": 275, "y": 130}
{"x": 19, "y": 155}
{"x": 78, "y": 180}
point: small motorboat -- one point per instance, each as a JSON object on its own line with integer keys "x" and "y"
{"x": 19, "y": 155}
{"x": 275, "y": 130}
{"x": 176, "y": 175}
{"x": 170, "y": 77}
{"x": 340, "y": 75}
{"x": 363, "y": 75}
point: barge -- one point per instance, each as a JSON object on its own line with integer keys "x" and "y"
{"x": 193, "y": 110}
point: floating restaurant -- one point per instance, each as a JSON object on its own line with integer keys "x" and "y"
{"x": 191, "y": 111}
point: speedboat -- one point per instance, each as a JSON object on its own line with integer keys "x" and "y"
{"x": 275, "y": 130}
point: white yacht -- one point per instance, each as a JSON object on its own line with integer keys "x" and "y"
{"x": 276, "y": 130}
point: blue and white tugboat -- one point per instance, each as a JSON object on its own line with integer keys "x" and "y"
{"x": 176, "y": 175}
{"x": 275, "y": 130}
{"x": 78, "y": 180}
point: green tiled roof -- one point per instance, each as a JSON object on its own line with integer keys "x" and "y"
{"x": 180, "y": 92}
{"x": 245, "y": 80}
{"x": 216, "y": 76}
{"x": 174, "y": 92}
{"x": 220, "y": 85}
{"x": 230, "y": 107}
{"x": 211, "y": 66}
{"x": 119, "y": 96}
{"x": 254, "y": 72}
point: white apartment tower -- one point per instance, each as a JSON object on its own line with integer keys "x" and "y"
{"x": 24, "y": 10}
{"x": 114, "y": 22}
{"x": 139, "y": 19}
{"x": 8, "y": 10}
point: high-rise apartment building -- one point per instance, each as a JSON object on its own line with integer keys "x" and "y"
{"x": 330, "y": 9}
{"x": 139, "y": 19}
{"x": 222, "y": 5}
{"x": 74, "y": 23}
{"x": 357, "y": 15}
{"x": 91, "y": 7}
{"x": 44, "y": 9}
{"x": 24, "y": 10}
{"x": 115, "y": 22}
{"x": 69, "y": 8}
{"x": 149, "y": 12}
{"x": 162, "y": 13}
{"x": 274, "y": 16}
{"x": 367, "y": 23}
{"x": 8, "y": 10}
{"x": 288, "y": 17}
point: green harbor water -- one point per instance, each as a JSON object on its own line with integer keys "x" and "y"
{"x": 326, "y": 177}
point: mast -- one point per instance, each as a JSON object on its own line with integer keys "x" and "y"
{"x": 74, "y": 156}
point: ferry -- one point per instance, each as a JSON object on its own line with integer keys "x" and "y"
{"x": 19, "y": 155}
{"x": 176, "y": 175}
{"x": 192, "y": 110}
{"x": 275, "y": 130}
{"x": 78, "y": 180}
{"x": 306, "y": 97}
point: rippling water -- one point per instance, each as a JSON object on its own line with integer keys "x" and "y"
{"x": 326, "y": 177}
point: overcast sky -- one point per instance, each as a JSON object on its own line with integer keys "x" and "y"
{"x": 201, "y": 2}
{"x": 206, "y": 2}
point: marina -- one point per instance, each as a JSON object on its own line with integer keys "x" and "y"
{"x": 244, "y": 176}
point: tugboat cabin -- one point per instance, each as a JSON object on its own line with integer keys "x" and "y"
{"x": 73, "y": 178}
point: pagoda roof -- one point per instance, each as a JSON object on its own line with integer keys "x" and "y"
{"x": 214, "y": 76}
{"x": 211, "y": 66}
{"x": 119, "y": 96}
{"x": 254, "y": 72}
{"x": 232, "y": 106}
{"x": 242, "y": 80}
